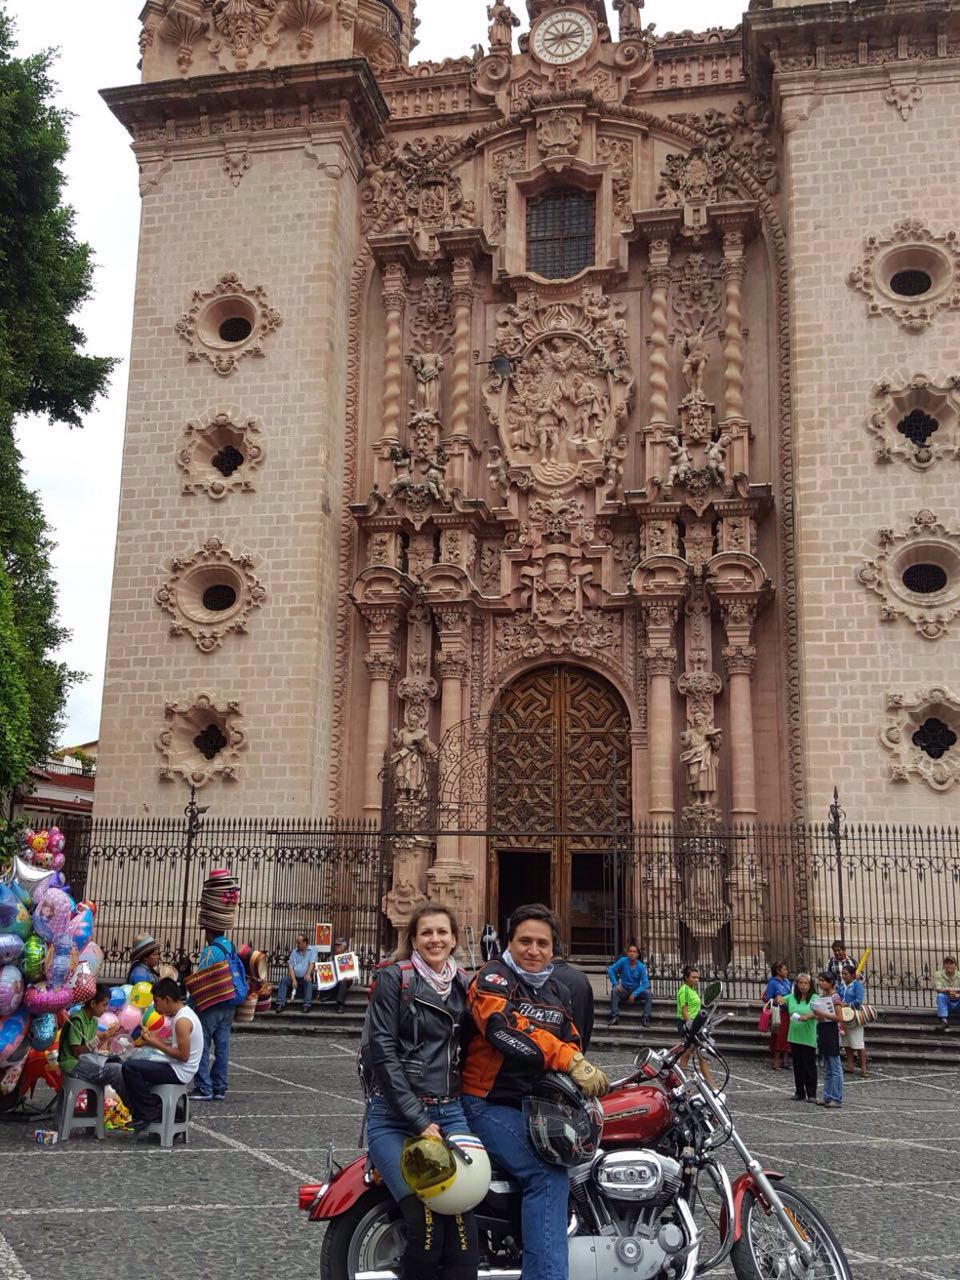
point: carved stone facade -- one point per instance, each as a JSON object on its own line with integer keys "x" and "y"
{"x": 477, "y": 470}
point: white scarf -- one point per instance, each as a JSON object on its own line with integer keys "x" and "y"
{"x": 536, "y": 980}
{"x": 441, "y": 982}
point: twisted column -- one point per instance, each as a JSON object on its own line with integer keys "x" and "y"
{"x": 394, "y": 300}
{"x": 658, "y": 275}
{"x": 733, "y": 358}
{"x": 462, "y": 296}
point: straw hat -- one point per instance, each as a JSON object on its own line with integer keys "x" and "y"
{"x": 143, "y": 947}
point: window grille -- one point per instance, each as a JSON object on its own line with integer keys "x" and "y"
{"x": 560, "y": 233}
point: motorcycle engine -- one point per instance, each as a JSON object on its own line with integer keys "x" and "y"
{"x": 645, "y": 1255}
{"x": 640, "y": 1176}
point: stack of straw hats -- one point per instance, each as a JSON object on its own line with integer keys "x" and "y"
{"x": 219, "y": 901}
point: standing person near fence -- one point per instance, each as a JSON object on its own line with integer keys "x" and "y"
{"x": 802, "y": 1035}
{"x": 774, "y": 994}
{"x": 219, "y": 903}
{"x": 826, "y": 1008}
{"x": 853, "y": 993}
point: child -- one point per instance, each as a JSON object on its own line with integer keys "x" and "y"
{"x": 802, "y": 1038}
{"x": 688, "y": 1006}
{"x": 184, "y": 1049}
{"x": 81, "y": 1053}
{"x": 826, "y": 1010}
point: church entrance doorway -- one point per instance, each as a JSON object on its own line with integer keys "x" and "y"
{"x": 559, "y": 800}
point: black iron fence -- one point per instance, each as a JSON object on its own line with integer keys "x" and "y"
{"x": 146, "y": 876}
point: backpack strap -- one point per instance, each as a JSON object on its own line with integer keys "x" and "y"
{"x": 407, "y": 981}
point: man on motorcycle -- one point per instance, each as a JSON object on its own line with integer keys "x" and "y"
{"x": 526, "y": 1029}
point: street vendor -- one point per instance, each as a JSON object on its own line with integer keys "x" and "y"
{"x": 144, "y": 960}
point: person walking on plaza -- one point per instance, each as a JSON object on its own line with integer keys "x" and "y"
{"x": 629, "y": 981}
{"x": 689, "y": 1005}
{"x": 144, "y": 960}
{"x": 299, "y": 975}
{"x": 415, "y": 1020}
{"x": 853, "y": 993}
{"x": 802, "y": 1036}
{"x": 774, "y": 994}
{"x": 526, "y": 1030}
{"x": 826, "y": 1009}
{"x": 946, "y": 982}
{"x": 184, "y": 1050}
{"x": 219, "y": 903}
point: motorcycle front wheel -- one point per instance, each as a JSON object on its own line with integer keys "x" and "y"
{"x": 368, "y": 1237}
{"x": 764, "y": 1249}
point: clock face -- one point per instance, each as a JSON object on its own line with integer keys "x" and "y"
{"x": 563, "y": 36}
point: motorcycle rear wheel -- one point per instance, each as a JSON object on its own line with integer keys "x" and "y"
{"x": 764, "y": 1246}
{"x": 368, "y": 1237}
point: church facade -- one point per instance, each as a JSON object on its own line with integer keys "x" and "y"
{"x": 556, "y": 438}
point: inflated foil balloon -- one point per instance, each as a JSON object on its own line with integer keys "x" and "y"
{"x": 81, "y": 926}
{"x": 9, "y": 905}
{"x": 51, "y": 916}
{"x": 11, "y": 989}
{"x": 11, "y": 948}
{"x": 43, "y": 998}
{"x": 55, "y": 840}
{"x": 33, "y": 959}
{"x": 84, "y": 985}
{"x": 142, "y": 995}
{"x": 117, "y": 999}
{"x": 21, "y": 924}
{"x": 12, "y": 1032}
{"x": 43, "y": 1030}
{"x": 61, "y": 963}
{"x": 92, "y": 957}
{"x": 30, "y": 879}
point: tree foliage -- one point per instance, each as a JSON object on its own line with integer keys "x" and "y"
{"x": 45, "y": 275}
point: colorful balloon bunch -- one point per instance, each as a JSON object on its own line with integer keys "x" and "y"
{"x": 48, "y": 959}
{"x": 129, "y": 1012}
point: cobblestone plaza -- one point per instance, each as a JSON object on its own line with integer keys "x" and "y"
{"x": 884, "y": 1172}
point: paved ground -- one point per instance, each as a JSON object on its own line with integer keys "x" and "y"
{"x": 225, "y": 1207}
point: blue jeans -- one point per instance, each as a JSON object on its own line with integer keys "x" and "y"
{"x": 386, "y": 1132}
{"x": 619, "y": 993}
{"x": 217, "y": 1024}
{"x": 545, "y": 1187}
{"x": 303, "y": 986}
{"x": 832, "y": 1079}
{"x": 946, "y": 1006}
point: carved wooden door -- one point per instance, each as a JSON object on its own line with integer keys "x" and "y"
{"x": 559, "y": 784}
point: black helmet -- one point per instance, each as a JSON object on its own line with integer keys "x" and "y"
{"x": 564, "y": 1126}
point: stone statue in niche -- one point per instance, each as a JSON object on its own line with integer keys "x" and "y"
{"x": 681, "y": 463}
{"x": 695, "y": 360}
{"x": 412, "y": 748}
{"x": 614, "y": 456}
{"x": 427, "y": 367}
{"x": 715, "y": 458}
{"x": 498, "y": 472}
{"x": 403, "y": 479}
{"x": 700, "y": 754}
{"x": 502, "y": 21}
{"x": 433, "y": 478}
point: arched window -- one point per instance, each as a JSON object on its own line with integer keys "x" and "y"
{"x": 560, "y": 232}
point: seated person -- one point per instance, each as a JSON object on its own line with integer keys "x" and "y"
{"x": 82, "y": 1050}
{"x": 628, "y": 978}
{"x": 340, "y": 992}
{"x": 947, "y": 984}
{"x": 144, "y": 961}
{"x": 184, "y": 1049}
{"x": 299, "y": 973}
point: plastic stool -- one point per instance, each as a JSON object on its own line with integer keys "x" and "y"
{"x": 168, "y": 1126}
{"x": 71, "y": 1088}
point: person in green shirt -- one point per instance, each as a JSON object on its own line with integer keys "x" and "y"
{"x": 802, "y": 1038}
{"x": 81, "y": 1052}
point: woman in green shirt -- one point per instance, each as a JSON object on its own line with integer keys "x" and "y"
{"x": 802, "y": 1038}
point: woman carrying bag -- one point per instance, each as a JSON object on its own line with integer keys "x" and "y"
{"x": 774, "y": 1015}
{"x": 410, "y": 1055}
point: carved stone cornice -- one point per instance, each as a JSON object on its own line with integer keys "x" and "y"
{"x": 450, "y": 664}
{"x": 660, "y": 661}
{"x": 381, "y": 665}
{"x": 739, "y": 659}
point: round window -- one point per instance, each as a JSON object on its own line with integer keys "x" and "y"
{"x": 925, "y": 579}
{"x": 235, "y": 329}
{"x": 219, "y": 597}
{"x": 914, "y": 272}
{"x": 910, "y": 283}
{"x": 227, "y": 322}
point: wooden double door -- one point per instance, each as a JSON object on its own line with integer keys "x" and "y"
{"x": 560, "y": 792}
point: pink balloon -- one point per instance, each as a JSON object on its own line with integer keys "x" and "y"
{"x": 108, "y": 1024}
{"x": 130, "y": 1017}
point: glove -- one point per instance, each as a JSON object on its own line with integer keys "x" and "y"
{"x": 589, "y": 1079}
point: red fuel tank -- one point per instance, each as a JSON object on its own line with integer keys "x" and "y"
{"x": 635, "y": 1113}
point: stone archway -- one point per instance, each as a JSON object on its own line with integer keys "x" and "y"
{"x": 559, "y": 797}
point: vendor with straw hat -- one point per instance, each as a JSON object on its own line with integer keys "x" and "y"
{"x": 144, "y": 960}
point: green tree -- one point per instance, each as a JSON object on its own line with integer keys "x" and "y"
{"x": 45, "y": 275}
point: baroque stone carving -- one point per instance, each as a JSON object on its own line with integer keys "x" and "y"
{"x": 618, "y": 154}
{"x": 700, "y": 177}
{"x": 183, "y": 25}
{"x": 903, "y": 736}
{"x": 197, "y": 594}
{"x": 917, "y": 420}
{"x": 430, "y": 324}
{"x": 502, "y": 21}
{"x": 696, "y": 294}
{"x": 570, "y": 386}
{"x": 558, "y": 134}
{"x": 202, "y": 325}
{"x": 240, "y": 26}
{"x": 743, "y": 134}
{"x": 503, "y": 164}
{"x": 699, "y": 753}
{"x": 202, "y": 740}
{"x": 910, "y": 248}
{"x": 303, "y": 16}
{"x": 924, "y": 542}
{"x": 408, "y": 187}
{"x": 220, "y": 453}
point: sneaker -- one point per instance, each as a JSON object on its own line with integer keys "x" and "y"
{"x": 612, "y": 1022}
{"x": 197, "y": 1096}
{"x": 219, "y": 1097}
{"x": 797, "y": 1097}
{"x": 645, "y": 1022}
{"x": 279, "y": 1008}
{"x": 813, "y": 1100}
{"x": 944, "y": 1025}
{"x": 307, "y": 1008}
{"x": 341, "y": 1008}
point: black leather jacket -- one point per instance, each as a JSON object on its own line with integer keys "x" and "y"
{"x": 411, "y": 1047}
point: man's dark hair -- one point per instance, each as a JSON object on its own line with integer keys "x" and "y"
{"x": 949, "y": 960}
{"x": 102, "y": 993}
{"x": 838, "y": 943}
{"x": 533, "y": 911}
{"x": 167, "y": 989}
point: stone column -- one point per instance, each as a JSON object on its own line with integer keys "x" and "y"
{"x": 382, "y": 663}
{"x": 733, "y": 270}
{"x": 462, "y": 296}
{"x": 661, "y": 664}
{"x": 395, "y": 284}
{"x": 450, "y": 880}
{"x": 739, "y": 660}
{"x": 658, "y": 276}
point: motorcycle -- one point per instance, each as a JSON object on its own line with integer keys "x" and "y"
{"x": 633, "y": 1206}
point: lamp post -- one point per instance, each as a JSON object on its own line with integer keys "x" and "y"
{"x": 192, "y": 812}
{"x": 835, "y": 826}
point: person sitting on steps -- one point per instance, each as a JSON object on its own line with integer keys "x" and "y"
{"x": 629, "y": 980}
{"x": 946, "y": 981}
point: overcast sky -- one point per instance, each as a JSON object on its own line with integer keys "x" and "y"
{"x": 77, "y": 473}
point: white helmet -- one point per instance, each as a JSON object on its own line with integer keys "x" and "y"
{"x": 451, "y": 1175}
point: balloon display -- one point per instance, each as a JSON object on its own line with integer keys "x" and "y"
{"x": 33, "y": 959}
{"x": 13, "y": 1029}
{"x": 11, "y": 989}
{"x": 43, "y": 1030}
{"x": 11, "y": 948}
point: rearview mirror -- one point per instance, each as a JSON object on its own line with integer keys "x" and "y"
{"x": 712, "y": 994}
{"x": 642, "y": 1058}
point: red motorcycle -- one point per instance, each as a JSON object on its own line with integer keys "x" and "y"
{"x": 634, "y": 1207}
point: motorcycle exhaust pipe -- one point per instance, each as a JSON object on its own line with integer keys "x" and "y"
{"x": 492, "y": 1273}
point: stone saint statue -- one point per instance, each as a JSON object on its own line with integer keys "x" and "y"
{"x": 629, "y": 11}
{"x": 681, "y": 462}
{"x": 502, "y": 21}
{"x": 412, "y": 749}
{"x": 695, "y": 360}
{"x": 427, "y": 366}
{"x": 699, "y": 752}
{"x": 716, "y": 460}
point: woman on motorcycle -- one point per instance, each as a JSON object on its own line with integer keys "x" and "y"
{"x": 410, "y": 1058}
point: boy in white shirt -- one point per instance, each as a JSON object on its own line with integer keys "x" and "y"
{"x": 184, "y": 1049}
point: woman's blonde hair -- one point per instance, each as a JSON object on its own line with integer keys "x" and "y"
{"x": 405, "y": 947}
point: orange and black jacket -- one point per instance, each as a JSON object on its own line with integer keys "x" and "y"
{"x": 522, "y": 1033}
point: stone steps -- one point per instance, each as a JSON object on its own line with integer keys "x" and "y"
{"x": 898, "y": 1036}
